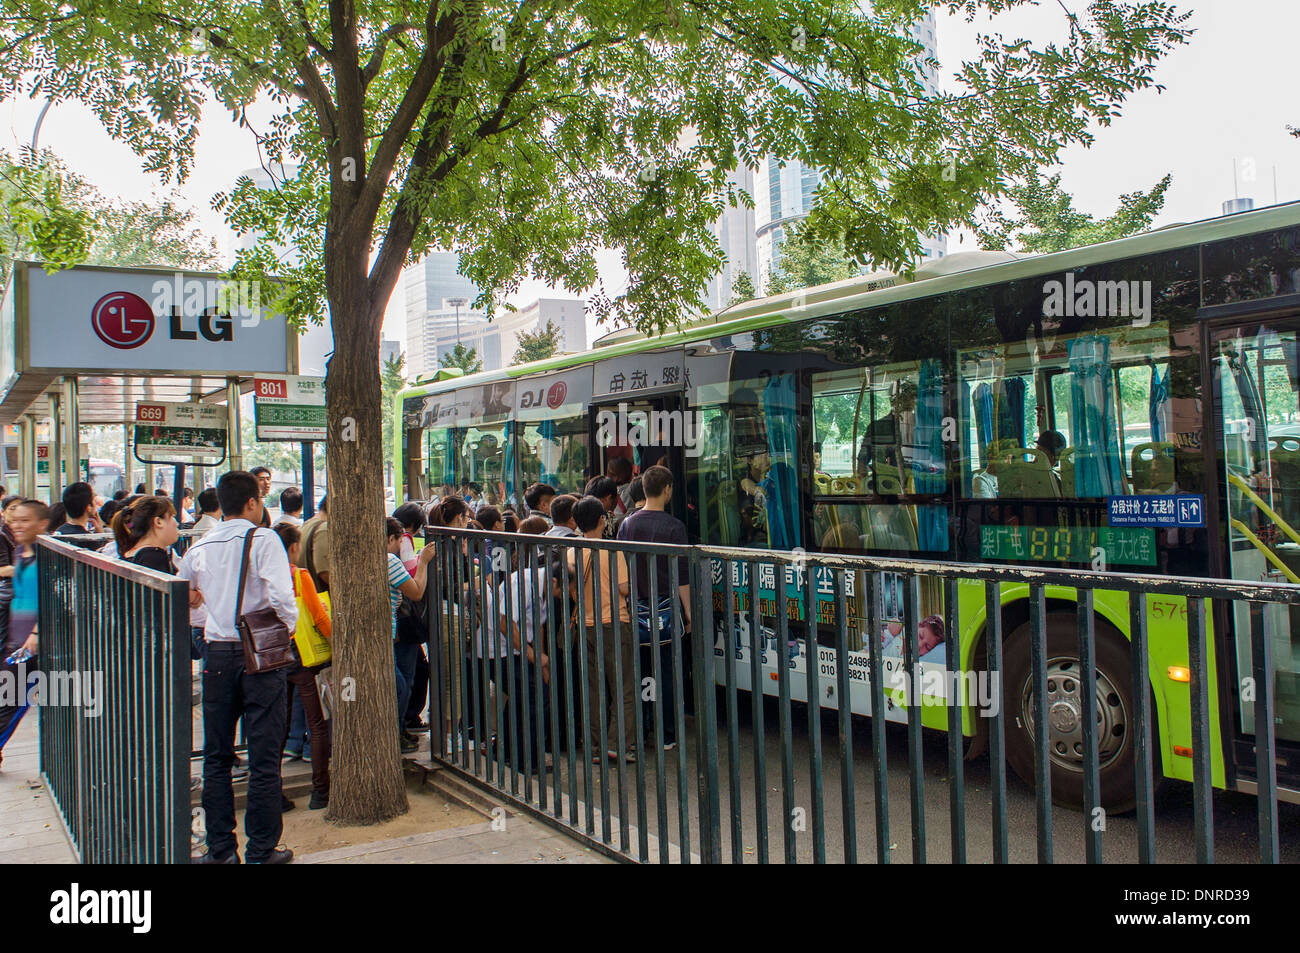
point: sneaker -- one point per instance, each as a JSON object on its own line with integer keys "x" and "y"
{"x": 306, "y": 757}
{"x": 669, "y": 745}
{"x": 318, "y": 802}
{"x": 406, "y": 745}
{"x": 281, "y": 855}
{"x": 630, "y": 757}
{"x": 416, "y": 725}
{"x": 410, "y": 737}
{"x": 239, "y": 774}
{"x": 285, "y": 803}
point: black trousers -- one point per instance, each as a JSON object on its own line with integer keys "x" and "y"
{"x": 419, "y": 690}
{"x": 228, "y": 694}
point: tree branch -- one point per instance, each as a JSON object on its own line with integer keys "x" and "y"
{"x": 376, "y": 62}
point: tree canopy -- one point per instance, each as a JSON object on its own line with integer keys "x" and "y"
{"x": 1045, "y": 219}
{"x": 807, "y": 258}
{"x": 538, "y": 344}
{"x": 529, "y": 135}
{"x": 466, "y": 358}
{"x": 50, "y": 213}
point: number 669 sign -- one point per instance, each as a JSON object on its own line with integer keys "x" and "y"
{"x": 185, "y": 434}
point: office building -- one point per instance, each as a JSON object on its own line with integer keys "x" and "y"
{"x": 783, "y": 193}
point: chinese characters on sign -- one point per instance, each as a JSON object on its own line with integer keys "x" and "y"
{"x": 289, "y": 408}
{"x": 189, "y": 434}
{"x": 1182, "y": 509}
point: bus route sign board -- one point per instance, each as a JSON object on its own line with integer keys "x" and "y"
{"x": 185, "y": 434}
{"x": 289, "y": 408}
{"x": 795, "y": 585}
{"x": 1180, "y": 509}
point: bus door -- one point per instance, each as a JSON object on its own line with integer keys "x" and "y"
{"x": 1255, "y": 370}
{"x": 647, "y": 431}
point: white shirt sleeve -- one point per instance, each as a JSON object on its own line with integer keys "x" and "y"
{"x": 272, "y": 564}
{"x": 186, "y": 568}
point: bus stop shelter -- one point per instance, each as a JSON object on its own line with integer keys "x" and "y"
{"x": 83, "y": 346}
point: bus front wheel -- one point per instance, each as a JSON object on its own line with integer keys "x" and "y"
{"x": 1116, "y": 742}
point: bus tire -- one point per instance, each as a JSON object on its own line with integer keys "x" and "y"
{"x": 1116, "y": 739}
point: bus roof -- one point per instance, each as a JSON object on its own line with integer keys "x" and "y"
{"x": 955, "y": 272}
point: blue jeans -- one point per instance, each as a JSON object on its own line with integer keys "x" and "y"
{"x": 667, "y": 687}
{"x": 299, "y": 736}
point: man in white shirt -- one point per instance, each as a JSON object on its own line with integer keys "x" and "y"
{"x": 212, "y": 565}
{"x": 562, "y": 516}
{"x": 291, "y": 506}
{"x": 209, "y": 510}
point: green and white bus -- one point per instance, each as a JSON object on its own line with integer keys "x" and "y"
{"x": 1132, "y": 406}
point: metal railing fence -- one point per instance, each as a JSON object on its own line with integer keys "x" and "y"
{"x": 116, "y": 758}
{"x": 584, "y": 738}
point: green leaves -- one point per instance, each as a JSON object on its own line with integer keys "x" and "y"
{"x": 1046, "y": 220}
{"x": 466, "y": 358}
{"x": 537, "y": 345}
{"x": 39, "y": 218}
{"x": 528, "y": 136}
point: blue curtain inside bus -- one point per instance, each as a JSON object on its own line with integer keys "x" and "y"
{"x": 1011, "y": 410}
{"x": 1160, "y": 410}
{"x": 513, "y": 432}
{"x": 930, "y": 467}
{"x": 982, "y": 404}
{"x": 781, "y": 485}
{"x": 550, "y": 455}
{"x": 1002, "y": 403}
{"x": 1098, "y": 468}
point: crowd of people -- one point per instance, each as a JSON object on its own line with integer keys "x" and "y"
{"x": 526, "y": 597}
{"x": 239, "y": 559}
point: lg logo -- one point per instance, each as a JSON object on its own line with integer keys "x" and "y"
{"x": 125, "y": 321}
{"x": 556, "y": 394}
{"x": 122, "y": 320}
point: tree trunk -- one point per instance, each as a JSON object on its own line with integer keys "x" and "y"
{"x": 366, "y": 785}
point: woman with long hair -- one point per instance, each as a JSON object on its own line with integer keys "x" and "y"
{"x": 145, "y": 531}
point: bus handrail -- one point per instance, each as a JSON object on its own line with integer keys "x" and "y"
{"x": 1271, "y": 556}
{"x": 1241, "y": 484}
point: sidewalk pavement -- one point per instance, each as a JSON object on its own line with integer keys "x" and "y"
{"x": 522, "y": 842}
{"x": 31, "y": 831}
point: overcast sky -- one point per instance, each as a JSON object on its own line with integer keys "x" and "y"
{"x": 1229, "y": 96}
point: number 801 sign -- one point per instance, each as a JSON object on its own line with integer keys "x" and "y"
{"x": 272, "y": 388}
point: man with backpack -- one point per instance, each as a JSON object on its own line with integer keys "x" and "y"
{"x": 654, "y": 524}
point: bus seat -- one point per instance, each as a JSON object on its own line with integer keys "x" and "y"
{"x": 888, "y": 481}
{"x": 1026, "y": 473}
{"x": 843, "y": 486}
{"x": 1153, "y": 467}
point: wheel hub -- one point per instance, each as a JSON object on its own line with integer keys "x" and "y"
{"x": 1064, "y": 710}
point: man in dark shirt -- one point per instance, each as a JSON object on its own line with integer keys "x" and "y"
{"x": 81, "y": 518}
{"x": 654, "y": 524}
